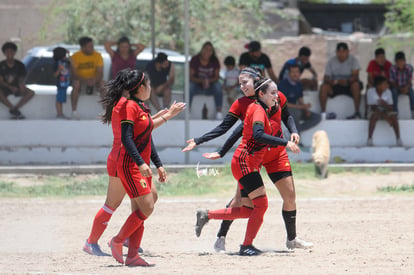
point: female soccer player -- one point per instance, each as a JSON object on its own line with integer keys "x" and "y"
{"x": 246, "y": 165}
{"x": 113, "y": 101}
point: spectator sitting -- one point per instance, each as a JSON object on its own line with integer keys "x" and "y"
{"x": 87, "y": 70}
{"x": 231, "y": 79}
{"x": 379, "y": 99}
{"x": 302, "y": 60}
{"x": 124, "y": 56}
{"x": 162, "y": 74}
{"x": 204, "y": 76}
{"x": 255, "y": 58}
{"x": 12, "y": 74}
{"x": 291, "y": 87}
{"x": 341, "y": 77}
{"x": 401, "y": 75}
{"x": 62, "y": 73}
{"x": 377, "y": 66}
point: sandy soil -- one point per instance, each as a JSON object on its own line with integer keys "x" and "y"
{"x": 356, "y": 230}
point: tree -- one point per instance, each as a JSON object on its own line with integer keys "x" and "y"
{"x": 218, "y": 21}
{"x": 400, "y": 17}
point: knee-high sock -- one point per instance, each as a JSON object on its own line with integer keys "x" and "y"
{"x": 230, "y": 213}
{"x": 256, "y": 219}
{"x": 135, "y": 241}
{"x": 100, "y": 223}
{"x": 290, "y": 223}
{"x": 225, "y": 225}
{"x": 134, "y": 221}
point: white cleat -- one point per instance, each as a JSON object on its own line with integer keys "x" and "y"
{"x": 298, "y": 243}
{"x": 220, "y": 244}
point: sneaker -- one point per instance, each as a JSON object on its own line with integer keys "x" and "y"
{"x": 330, "y": 115}
{"x": 116, "y": 249}
{"x": 399, "y": 142}
{"x": 323, "y": 116}
{"x": 219, "y": 116}
{"x": 249, "y": 250}
{"x": 369, "y": 142}
{"x": 93, "y": 249}
{"x": 75, "y": 115}
{"x": 354, "y": 116}
{"x": 298, "y": 243}
{"x": 89, "y": 90}
{"x": 61, "y": 117}
{"x": 202, "y": 219}
{"x": 126, "y": 244}
{"x": 220, "y": 244}
{"x": 137, "y": 261}
{"x": 16, "y": 114}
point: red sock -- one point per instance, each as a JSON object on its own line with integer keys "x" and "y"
{"x": 100, "y": 223}
{"x": 256, "y": 219}
{"x": 135, "y": 241}
{"x": 134, "y": 221}
{"x": 230, "y": 213}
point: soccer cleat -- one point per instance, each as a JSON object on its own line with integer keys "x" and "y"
{"x": 249, "y": 250}
{"x": 137, "y": 261}
{"x": 202, "y": 219}
{"x": 93, "y": 249}
{"x": 116, "y": 249}
{"x": 126, "y": 244}
{"x": 298, "y": 243}
{"x": 220, "y": 244}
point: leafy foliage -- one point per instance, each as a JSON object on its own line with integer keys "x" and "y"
{"x": 218, "y": 21}
{"x": 400, "y": 17}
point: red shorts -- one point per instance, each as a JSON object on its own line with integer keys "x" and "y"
{"x": 111, "y": 162}
{"x": 243, "y": 164}
{"x": 134, "y": 183}
{"x": 276, "y": 160}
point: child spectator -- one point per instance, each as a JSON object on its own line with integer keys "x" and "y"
{"x": 231, "y": 79}
{"x": 62, "y": 74}
{"x": 401, "y": 76}
{"x": 379, "y": 99}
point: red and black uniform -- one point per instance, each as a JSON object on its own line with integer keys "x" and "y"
{"x": 136, "y": 116}
{"x": 111, "y": 164}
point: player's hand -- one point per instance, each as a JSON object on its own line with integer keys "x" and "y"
{"x": 176, "y": 108}
{"x": 145, "y": 170}
{"x": 295, "y": 138}
{"x": 212, "y": 156}
{"x": 293, "y": 147}
{"x": 162, "y": 174}
{"x": 191, "y": 145}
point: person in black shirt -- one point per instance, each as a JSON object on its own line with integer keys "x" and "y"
{"x": 12, "y": 74}
{"x": 255, "y": 58}
{"x": 161, "y": 73}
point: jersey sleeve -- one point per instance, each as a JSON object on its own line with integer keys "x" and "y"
{"x": 98, "y": 59}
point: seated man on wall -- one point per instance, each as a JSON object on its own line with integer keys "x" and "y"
{"x": 161, "y": 73}
{"x": 87, "y": 70}
{"x": 302, "y": 60}
{"x": 12, "y": 74}
{"x": 291, "y": 87}
{"x": 341, "y": 77}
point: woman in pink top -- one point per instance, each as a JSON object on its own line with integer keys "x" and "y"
{"x": 124, "y": 56}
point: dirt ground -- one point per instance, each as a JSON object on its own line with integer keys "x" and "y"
{"x": 356, "y": 230}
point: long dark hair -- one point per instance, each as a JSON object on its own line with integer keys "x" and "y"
{"x": 253, "y": 72}
{"x": 125, "y": 80}
{"x": 213, "y": 57}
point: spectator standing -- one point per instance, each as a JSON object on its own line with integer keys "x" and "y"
{"x": 62, "y": 74}
{"x": 231, "y": 79}
{"x": 125, "y": 55}
{"x": 380, "y": 105}
{"x": 291, "y": 87}
{"x": 341, "y": 77}
{"x": 87, "y": 70}
{"x": 255, "y": 58}
{"x": 302, "y": 60}
{"x": 204, "y": 76}
{"x": 162, "y": 75}
{"x": 12, "y": 74}
{"x": 401, "y": 76}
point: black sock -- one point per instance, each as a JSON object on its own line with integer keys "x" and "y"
{"x": 290, "y": 223}
{"x": 225, "y": 225}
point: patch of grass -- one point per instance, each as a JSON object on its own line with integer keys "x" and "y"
{"x": 397, "y": 189}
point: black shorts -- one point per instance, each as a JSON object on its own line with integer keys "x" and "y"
{"x": 344, "y": 90}
{"x": 251, "y": 182}
{"x": 6, "y": 92}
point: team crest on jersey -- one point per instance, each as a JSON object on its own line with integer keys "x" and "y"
{"x": 144, "y": 117}
{"x": 143, "y": 183}
{"x": 287, "y": 164}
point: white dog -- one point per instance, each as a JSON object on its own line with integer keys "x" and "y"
{"x": 321, "y": 153}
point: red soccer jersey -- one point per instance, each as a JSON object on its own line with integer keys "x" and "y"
{"x": 116, "y": 130}
{"x": 239, "y": 107}
{"x": 136, "y": 114}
